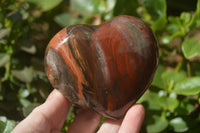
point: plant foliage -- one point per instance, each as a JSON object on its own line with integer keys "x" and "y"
{"x": 172, "y": 102}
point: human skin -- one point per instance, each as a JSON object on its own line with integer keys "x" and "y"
{"x": 50, "y": 116}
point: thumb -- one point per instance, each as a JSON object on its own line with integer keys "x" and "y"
{"x": 47, "y": 117}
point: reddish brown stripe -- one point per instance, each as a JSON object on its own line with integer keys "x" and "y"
{"x": 108, "y": 66}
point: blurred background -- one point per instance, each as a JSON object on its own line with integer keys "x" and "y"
{"x": 172, "y": 102}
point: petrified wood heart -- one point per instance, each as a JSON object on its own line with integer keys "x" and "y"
{"x": 106, "y": 67}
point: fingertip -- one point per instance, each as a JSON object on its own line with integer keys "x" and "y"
{"x": 86, "y": 121}
{"x": 55, "y": 94}
{"x": 55, "y": 108}
{"x": 136, "y": 112}
{"x": 136, "y": 108}
{"x": 133, "y": 119}
{"x": 110, "y": 125}
{"x": 58, "y": 100}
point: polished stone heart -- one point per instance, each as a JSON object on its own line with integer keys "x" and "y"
{"x": 106, "y": 67}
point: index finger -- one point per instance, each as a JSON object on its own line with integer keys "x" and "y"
{"x": 133, "y": 119}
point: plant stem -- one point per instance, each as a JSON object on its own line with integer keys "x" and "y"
{"x": 7, "y": 73}
{"x": 178, "y": 67}
{"x": 189, "y": 69}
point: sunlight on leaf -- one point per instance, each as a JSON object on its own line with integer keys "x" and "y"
{"x": 158, "y": 124}
{"x": 4, "y": 58}
{"x": 23, "y": 93}
{"x": 24, "y": 75}
{"x": 195, "y": 22}
{"x": 178, "y": 124}
{"x": 7, "y": 126}
{"x": 191, "y": 48}
{"x": 88, "y": 7}
{"x": 157, "y": 9}
{"x": 190, "y": 86}
{"x": 170, "y": 77}
{"x": 45, "y": 5}
{"x": 157, "y": 77}
{"x": 66, "y": 19}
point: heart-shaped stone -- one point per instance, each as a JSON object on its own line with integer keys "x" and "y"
{"x": 106, "y": 67}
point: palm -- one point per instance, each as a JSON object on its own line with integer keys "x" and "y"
{"x": 50, "y": 116}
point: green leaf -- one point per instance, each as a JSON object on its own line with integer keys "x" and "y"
{"x": 45, "y": 5}
{"x": 3, "y": 118}
{"x": 199, "y": 99}
{"x": 23, "y": 93}
{"x": 7, "y": 126}
{"x": 88, "y": 7}
{"x": 153, "y": 98}
{"x": 157, "y": 9}
{"x": 157, "y": 77}
{"x": 108, "y": 15}
{"x": 178, "y": 124}
{"x": 171, "y": 78}
{"x": 4, "y": 59}
{"x": 185, "y": 17}
{"x": 31, "y": 49}
{"x": 159, "y": 24}
{"x": 152, "y": 106}
{"x": 24, "y": 102}
{"x": 190, "y": 48}
{"x": 185, "y": 107}
{"x": 25, "y": 75}
{"x": 166, "y": 39}
{"x": 158, "y": 124}
{"x": 141, "y": 99}
{"x": 4, "y": 32}
{"x": 126, "y": 7}
{"x": 167, "y": 103}
{"x": 177, "y": 26}
{"x": 2, "y": 126}
{"x": 66, "y": 19}
{"x": 195, "y": 22}
{"x": 190, "y": 86}
{"x": 28, "y": 109}
{"x": 110, "y": 4}
{"x": 175, "y": 76}
{"x": 10, "y": 124}
{"x": 109, "y": 12}
{"x": 174, "y": 24}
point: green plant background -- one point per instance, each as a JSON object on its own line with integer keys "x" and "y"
{"x": 172, "y": 102}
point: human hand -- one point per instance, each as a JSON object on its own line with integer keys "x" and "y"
{"x": 50, "y": 116}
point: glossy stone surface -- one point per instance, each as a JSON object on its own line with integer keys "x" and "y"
{"x": 106, "y": 67}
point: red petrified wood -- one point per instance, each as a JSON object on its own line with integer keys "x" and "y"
{"x": 106, "y": 67}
